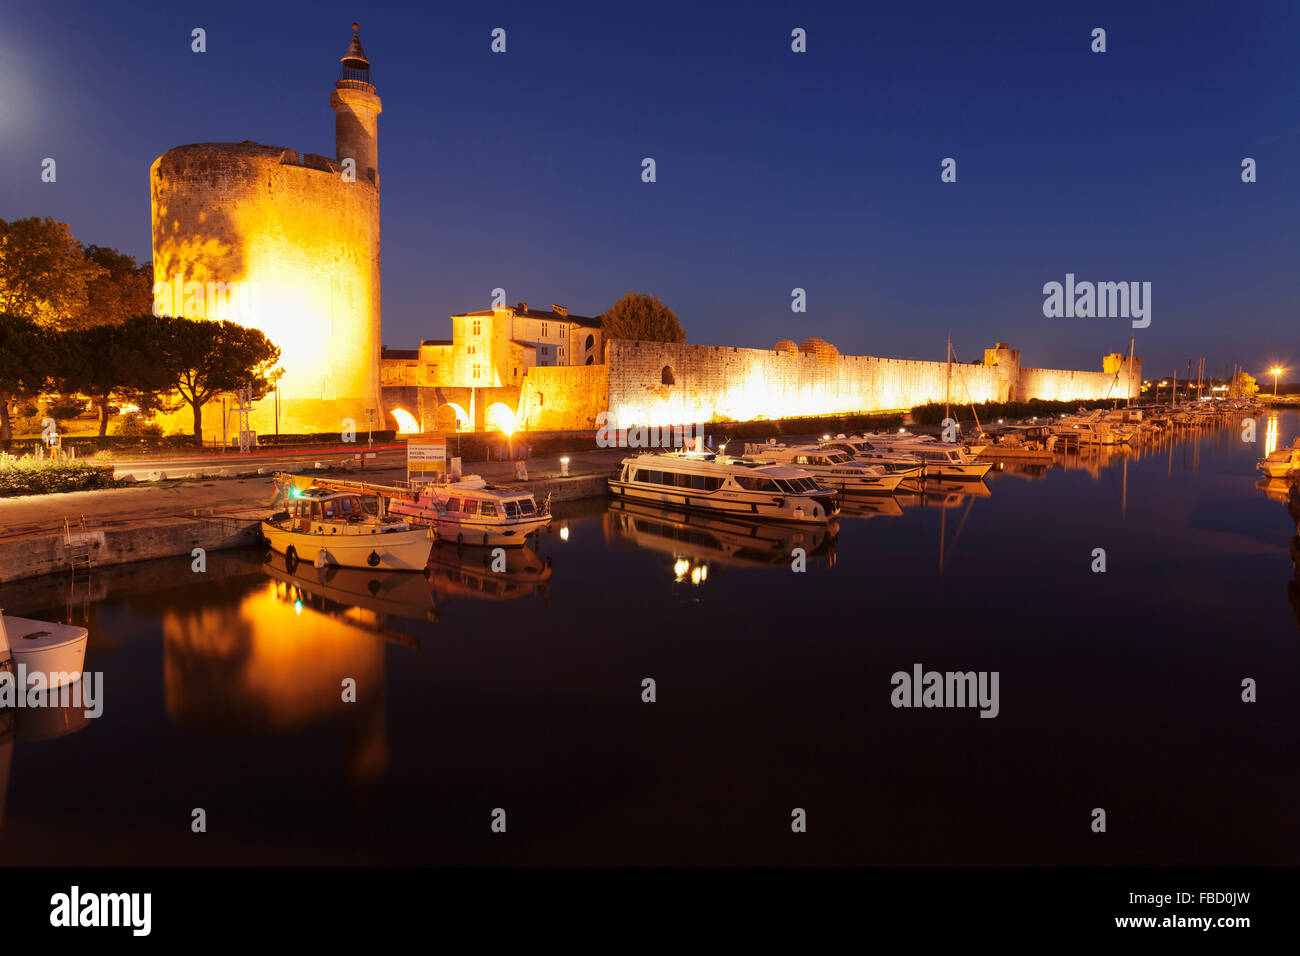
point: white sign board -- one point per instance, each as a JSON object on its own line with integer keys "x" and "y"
{"x": 428, "y": 456}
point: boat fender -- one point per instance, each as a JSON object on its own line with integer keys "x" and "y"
{"x": 373, "y": 559}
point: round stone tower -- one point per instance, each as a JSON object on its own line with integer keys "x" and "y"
{"x": 288, "y": 244}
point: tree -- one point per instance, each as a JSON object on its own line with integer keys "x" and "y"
{"x": 27, "y": 359}
{"x": 118, "y": 361}
{"x": 203, "y": 359}
{"x": 123, "y": 290}
{"x": 1243, "y": 385}
{"x": 642, "y": 318}
{"x": 44, "y": 272}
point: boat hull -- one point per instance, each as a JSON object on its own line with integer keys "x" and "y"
{"x": 787, "y": 508}
{"x": 56, "y": 650}
{"x": 393, "y": 551}
{"x": 508, "y": 534}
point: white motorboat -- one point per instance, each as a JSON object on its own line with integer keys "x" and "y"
{"x": 944, "y": 460}
{"x": 1094, "y": 429}
{"x": 1281, "y": 462}
{"x": 908, "y": 466}
{"x": 330, "y": 527}
{"x": 704, "y": 481}
{"x": 830, "y": 466}
{"x": 56, "y": 651}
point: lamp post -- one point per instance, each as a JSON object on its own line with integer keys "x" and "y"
{"x": 1276, "y": 372}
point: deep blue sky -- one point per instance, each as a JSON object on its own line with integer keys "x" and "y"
{"x": 775, "y": 169}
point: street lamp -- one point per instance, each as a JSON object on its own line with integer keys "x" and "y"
{"x": 1276, "y": 372}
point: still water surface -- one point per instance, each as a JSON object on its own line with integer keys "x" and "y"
{"x": 523, "y": 691}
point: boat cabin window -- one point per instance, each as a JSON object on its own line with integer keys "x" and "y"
{"x": 512, "y": 509}
{"x": 469, "y": 507}
{"x": 527, "y": 507}
{"x": 754, "y": 483}
{"x": 453, "y": 504}
{"x": 327, "y": 509}
{"x": 488, "y": 509}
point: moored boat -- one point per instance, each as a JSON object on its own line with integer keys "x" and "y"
{"x": 704, "y": 481}
{"x": 323, "y": 526}
{"x": 830, "y": 466}
{"x": 56, "y": 651}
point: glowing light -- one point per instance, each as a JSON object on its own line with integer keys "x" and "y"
{"x": 697, "y": 575}
{"x": 681, "y": 567}
{"x": 297, "y": 607}
{"x": 406, "y": 423}
{"x": 564, "y": 533}
{"x": 500, "y": 416}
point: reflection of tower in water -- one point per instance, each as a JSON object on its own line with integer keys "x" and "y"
{"x": 270, "y": 666}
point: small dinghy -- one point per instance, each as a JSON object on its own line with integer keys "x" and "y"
{"x": 56, "y": 650}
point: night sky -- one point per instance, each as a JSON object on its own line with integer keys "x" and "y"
{"x": 775, "y": 169}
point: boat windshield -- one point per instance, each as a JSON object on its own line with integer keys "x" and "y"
{"x": 526, "y": 506}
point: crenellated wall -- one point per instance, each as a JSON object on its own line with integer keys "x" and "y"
{"x": 657, "y": 382}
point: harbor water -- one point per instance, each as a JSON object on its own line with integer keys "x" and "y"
{"x": 1124, "y": 598}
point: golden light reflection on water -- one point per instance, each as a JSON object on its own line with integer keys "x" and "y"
{"x": 270, "y": 664}
{"x": 1270, "y": 436}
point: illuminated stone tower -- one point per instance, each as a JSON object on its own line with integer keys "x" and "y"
{"x": 291, "y": 244}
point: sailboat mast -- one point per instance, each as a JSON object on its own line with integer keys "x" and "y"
{"x": 1130, "y": 372}
{"x": 947, "y": 391}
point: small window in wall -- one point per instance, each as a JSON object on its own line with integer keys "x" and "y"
{"x": 477, "y": 370}
{"x": 543, "y": 330}
{"x": 666, "y": 376}
{"x": 478, "y": 328}
{"x": 591, "y": 341}
{"x": 539, "y": 399}
{"x": 470, "y": 350}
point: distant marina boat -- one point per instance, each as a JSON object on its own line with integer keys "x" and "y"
{"x": 1032, "y": 443}
{"x": 1093, "y": 428}
{"x": 326, "y": 527}
{"x": 704, "y": 481}
{"x": 910, "y": 467}
{"x": 56, "y": 651}
{"x": 830, "y": 466}
{"x": 943, "y": 460}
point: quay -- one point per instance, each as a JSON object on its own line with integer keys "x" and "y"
{"x": 42, "y": 534}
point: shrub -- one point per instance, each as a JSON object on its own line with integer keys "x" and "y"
{"x": 27, "y": 476}
{"x": 131, "y": 425}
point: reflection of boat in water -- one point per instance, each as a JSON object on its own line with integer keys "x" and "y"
{"x": 946, "y": 494}
{"x": 53, "y": 718}
{"x": 469, "y": 571}
{"x": 702, "y": 537}
{"x": 336, "y": 589}
{"x": 856, "y": 506}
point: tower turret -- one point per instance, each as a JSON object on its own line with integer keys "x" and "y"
{"x": 356, "y": 113}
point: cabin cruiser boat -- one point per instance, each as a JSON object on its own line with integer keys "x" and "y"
{"x": 56, "y": 651}
{"x": 472, "y": 511}
{"x": 1094, "y": 429}
{"x": 1282, "y": 462}
{"x": 334, "y": 527}
{"x": 705, "y": 481}
{"x": 830, "y": 466}
{"x": 944, "y": 460}
{"x": 1020, "y": 443}
{"x": 909, "y": 467}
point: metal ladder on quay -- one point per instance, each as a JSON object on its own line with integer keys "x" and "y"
{"x": 76, "y": 546}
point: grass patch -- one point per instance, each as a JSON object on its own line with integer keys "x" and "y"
{"x": 27, "y": 476}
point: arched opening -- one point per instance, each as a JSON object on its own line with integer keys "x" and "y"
{"x": 500, "y": 416}
{"x": 590, "y": 359}
{"x": 591, "y": 341}
{"x": 666, "y": 376}
{"x": 406, "y": 423}
{"x": 452, "y": 418}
